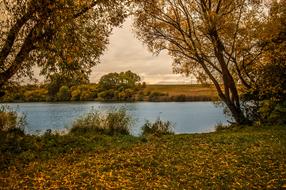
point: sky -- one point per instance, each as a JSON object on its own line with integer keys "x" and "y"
{"x": 125, "y": 52}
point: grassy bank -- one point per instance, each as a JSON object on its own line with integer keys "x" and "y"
{"x": 188, "y": 90}
{"x": 194, "y": 92}
{"x": 250, "y": 158}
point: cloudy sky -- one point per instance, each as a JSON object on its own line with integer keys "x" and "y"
{"x": 125, "y": 52}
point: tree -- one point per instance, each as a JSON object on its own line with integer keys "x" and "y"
{"x": 119, "y": 86}
{"x": 271, "y": 80}
{"x": 119, "y": 81}
{"x": 268, "y": 95}
{"x": 65, "y": 78}
{"x": 109, "y": 81}
{"x": 64, "y": 94}
{"x": 129, "y": 79}
{"x": 54, "y": 33}
{"x": 213, "y": 39}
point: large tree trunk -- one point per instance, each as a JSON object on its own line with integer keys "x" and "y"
{"x": 232, "y": 104}
{"x": 230, "y": 95}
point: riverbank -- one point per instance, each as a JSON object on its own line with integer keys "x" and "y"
{"x": 250, "y": 158}
{"x": 90, "y": 92}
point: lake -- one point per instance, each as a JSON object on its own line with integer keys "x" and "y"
{"x": 188, "y": 117}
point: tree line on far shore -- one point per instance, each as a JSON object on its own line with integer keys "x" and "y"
{"x": 123, "y": 86}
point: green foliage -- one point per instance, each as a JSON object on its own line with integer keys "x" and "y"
{"x": 119, "y": 81}
{"x": 107, "y": 95}
{"x": 68, "y": 79}
{"x": 36, "y": 95}
{"x": 11, "y": 122}
{"x": 64, "y": 94}
{"x": 118, "y": 122}
{"x": 84, "y": 92}
{"x": 66, "y": 35}
{"x": 54, "y": 84}
{"x": 90, "y": 92}
{"x": 75, "y": 94}
{"x": 273, "y": 112}
{"x": 209, "y": 57}
{"x": 157, "y": 128}
{"x": 114, "y": 122}
{"x": 268, "y": 94}
{"x": 122, "y": 86}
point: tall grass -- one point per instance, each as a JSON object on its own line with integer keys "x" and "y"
{"x": 10, "y": 121}
{"x": 114, "y": 122}
{"x": 157, "y": 128}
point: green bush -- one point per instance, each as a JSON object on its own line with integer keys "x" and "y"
{"x": 115, "y": 122}
{"x": 159, "y": 127}
{"x": 10, "y": 121}
{"x": 75, "y": 94}
{"x": 36, "y": 95}
{"x": 86, "y": 95}
{"x": 273, "y": 112}
{"x": 64, "y": 94}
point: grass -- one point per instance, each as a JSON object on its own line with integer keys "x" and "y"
{"x": 115, "y": 122}
{"x": 247, "y": 158}
{"x": 10, "y": 121}
{"x": 157, "y": 128}
{"x": 194, "y": 90}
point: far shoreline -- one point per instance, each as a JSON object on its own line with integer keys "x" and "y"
{"x": 108, "y": 101}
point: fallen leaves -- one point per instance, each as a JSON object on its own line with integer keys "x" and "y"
{"x": 235, "y": 160}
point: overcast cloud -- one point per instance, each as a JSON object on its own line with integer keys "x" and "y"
{"x": 125, "y": 52}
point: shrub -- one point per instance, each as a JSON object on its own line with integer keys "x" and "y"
{"x": 75, "y": 94}
{"x": 35, "y": 95}
{"x": 10, "y": 121}
{"x": 180, "y": 98}
{"x": 64, "y": 94}
{"x": 159, "y": 127}
{"x": 86, "y": 95}
{"x": 115, "y": 122}
{"x": 158, "y": 96}
{"x": 273, "y": 112}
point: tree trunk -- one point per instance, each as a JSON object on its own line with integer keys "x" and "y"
{"x": 26, "y": 48}
{"x": 230, "y": 96}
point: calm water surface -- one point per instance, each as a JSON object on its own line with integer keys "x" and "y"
{"x": 188, "y": 117}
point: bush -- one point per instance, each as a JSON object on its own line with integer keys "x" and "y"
{"x": 115, "y": 122}
{"x": 75, "y": 94}
{"x": 35, "y": 95}
{"x": 273, "y": 112}
{"x": 64, "y": 94}
{"x": 10, "y": 121}
{"x": 159, "y": 127}
{"x": 180, "y": 98}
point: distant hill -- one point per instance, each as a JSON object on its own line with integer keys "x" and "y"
{"x": 193, "y": 90}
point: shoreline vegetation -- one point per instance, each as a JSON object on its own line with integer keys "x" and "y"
{"x": 90, "y": 92}
{"x": 98, "y": 152}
